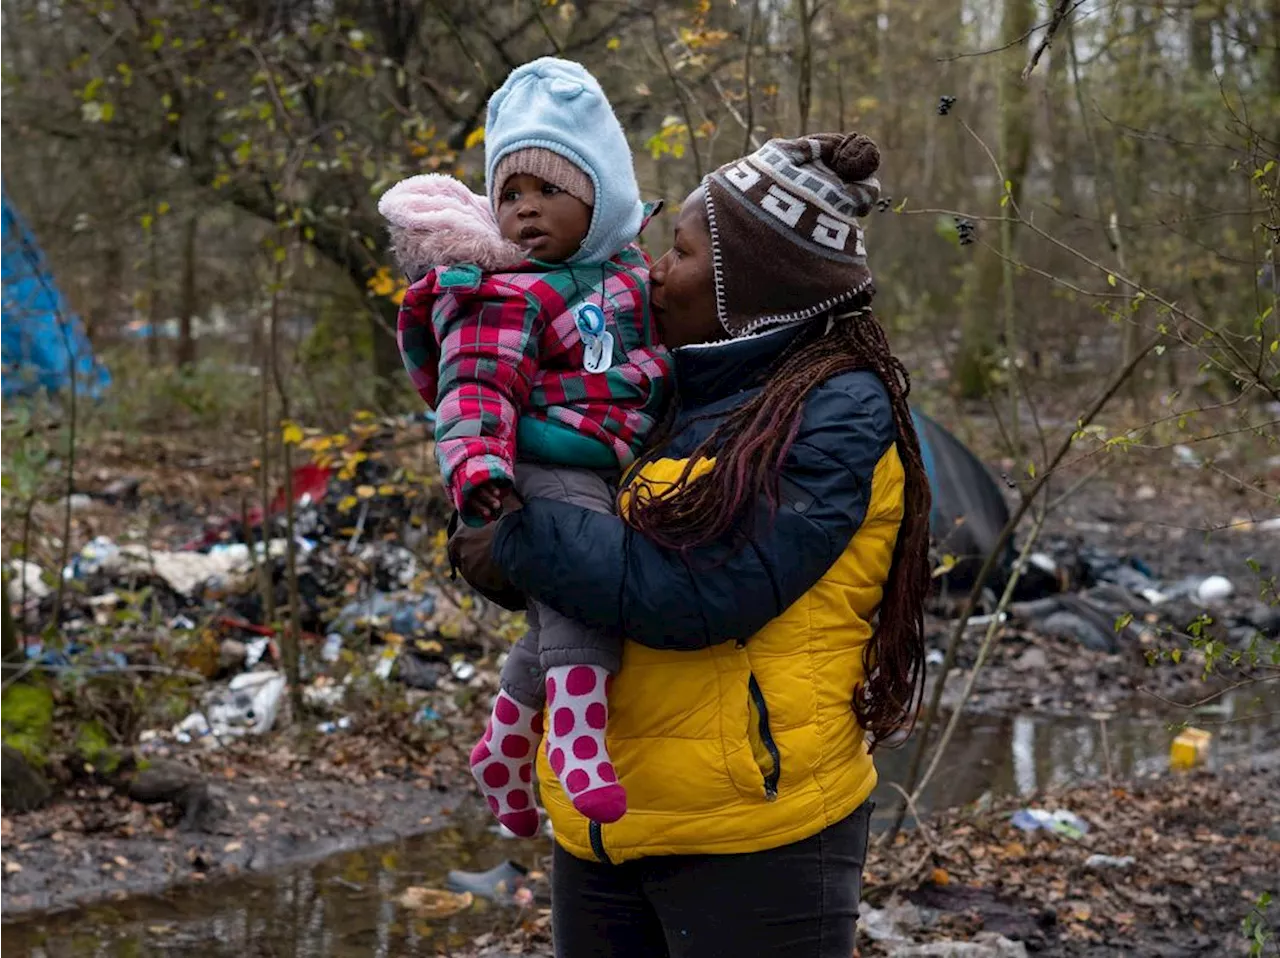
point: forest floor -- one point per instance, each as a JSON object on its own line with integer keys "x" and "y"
{"x": 1204, "y": 845}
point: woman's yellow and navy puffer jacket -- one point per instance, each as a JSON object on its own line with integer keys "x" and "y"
{"x": 731, "y": 721}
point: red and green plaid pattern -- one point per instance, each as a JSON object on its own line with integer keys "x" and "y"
{"x": 485, "y": 351}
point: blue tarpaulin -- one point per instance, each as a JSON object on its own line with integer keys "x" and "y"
{"x": 43, "y": 341}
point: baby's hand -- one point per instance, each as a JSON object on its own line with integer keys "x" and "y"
{"x": 485, "y": 500}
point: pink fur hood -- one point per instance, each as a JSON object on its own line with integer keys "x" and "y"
{"x": 434, "y": 220}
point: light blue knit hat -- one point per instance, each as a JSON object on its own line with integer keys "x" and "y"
{"x": 558, "y": 106}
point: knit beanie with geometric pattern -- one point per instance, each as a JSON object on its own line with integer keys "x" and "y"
{"x": 785, "y": 237}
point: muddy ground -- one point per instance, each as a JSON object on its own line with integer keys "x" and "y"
{"x": 95, "y": 843}
{"x": 296, "y": 796}
{"x": 1195, "y": 851}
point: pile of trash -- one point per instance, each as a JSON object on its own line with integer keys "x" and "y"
{"x": 1107, "y": 602}
{"x": 376, "y": 604}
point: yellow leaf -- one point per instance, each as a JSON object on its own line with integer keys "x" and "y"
{"x": 1111, "y": 280}
{"x": 386, "y": 489}
{"x": 381, "y": 283}
{"x": 940, "y": 877}
{"x": 291, "y": 433}
{"x": 347, "y": 503}
{"x": 474, "y": 138}
{"x": 613, "y": 44}
{"x": 366, "y": 492}
{"x": 429, "y": 646}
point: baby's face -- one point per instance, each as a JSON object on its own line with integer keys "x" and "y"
{"x": 547, "y": 222}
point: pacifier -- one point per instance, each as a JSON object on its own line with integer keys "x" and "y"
{"x": 597, "y": 341}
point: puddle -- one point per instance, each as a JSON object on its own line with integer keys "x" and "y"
{"x": 346, "y": 905}
{"x": 342, "y": 907}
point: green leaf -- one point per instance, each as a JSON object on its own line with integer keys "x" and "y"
{"x": 1111, "y": 280}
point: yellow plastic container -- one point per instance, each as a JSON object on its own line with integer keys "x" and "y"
{"x": 1190, "y": 749}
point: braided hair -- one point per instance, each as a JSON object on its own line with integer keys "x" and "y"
{"x": 749, "y": 448}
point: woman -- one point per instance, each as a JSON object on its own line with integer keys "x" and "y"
{"x": 785, "y": 508}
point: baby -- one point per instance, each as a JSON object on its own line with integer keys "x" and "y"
{"x": 527, "y": 329}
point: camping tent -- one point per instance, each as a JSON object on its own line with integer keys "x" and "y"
{"x": 42, "y": 340}
{"x": 969, "y": 510}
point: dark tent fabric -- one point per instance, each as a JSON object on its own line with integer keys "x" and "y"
{"x": 968, "y": 508}
{"x": 42, "y": 340}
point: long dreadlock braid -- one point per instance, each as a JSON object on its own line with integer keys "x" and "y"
{"x": 748, "y": 449}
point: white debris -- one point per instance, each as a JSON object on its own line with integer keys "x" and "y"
{"x": 890, "y": 923}
{"x": 1214, "y": 589}
{"x": 985, "y": 944}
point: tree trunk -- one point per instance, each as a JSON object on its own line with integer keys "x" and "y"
{"x": 1200, "y": 38}
{"x": 153, "y": 299}
{"x": 386, "y": 353}
{"x": 103, "y": 306}
{"x": 804, "y": 65}
{"x": 980, "y": 334}
{"x": 10, "y": 647}
{"x": 186, "y": 338}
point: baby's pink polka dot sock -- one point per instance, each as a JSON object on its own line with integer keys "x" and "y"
{"x": 577, "y": 698}
{"x": 502, "y": 763}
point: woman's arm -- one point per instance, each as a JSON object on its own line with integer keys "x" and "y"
{"x": 598, "y": 570}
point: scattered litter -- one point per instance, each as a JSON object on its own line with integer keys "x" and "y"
{"x": 324, "y": 694}
{"x": 434, "y": 903}
{"x": 499, "y": 883}
{"x": 1190, "y": 749}
{"x": 386, "y": 662}
{"x": 180, "y": 623}
{"x": 425, "y": 715}
{"x": 341, "y": 725}
{"x": 332, "y": 647}
{"x": 1109, "y": 861}
{"x": 248, "y": 705}
{"x": 33, "y": 577}
{"x": 935, "y": 657}
{"x": 1214, "y": 589}
{"x": 232, "y": 654}
{"x": 195, "y": 726}
{"x": 462, "y": 670}
{"x": 402, "y": 613}
{"x": 418, "y": 672}
{"x": 985, "y": 944}
{"x": 890, "y": 923}
{"x": 1060, "y": 822}
{"x": 254, "y": 651}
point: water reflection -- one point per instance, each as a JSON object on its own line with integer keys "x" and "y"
{"x": 346, "y": 905}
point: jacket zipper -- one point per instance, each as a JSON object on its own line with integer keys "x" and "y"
{"x": 596, "y": 831}
{"x": 766, "y": 736}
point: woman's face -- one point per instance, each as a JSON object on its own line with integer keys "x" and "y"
{"x": 683, "y": 292}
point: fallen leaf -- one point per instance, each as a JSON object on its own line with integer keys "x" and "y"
{"x": 230, "y": 847}
{"x": 122, "y": 861}
{"x": 940, "y": 877}
{"x": 12, "y": 868}
{"x": 434, "y": 903}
